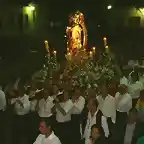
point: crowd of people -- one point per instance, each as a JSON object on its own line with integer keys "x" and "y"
{"x": 55, "y": 112}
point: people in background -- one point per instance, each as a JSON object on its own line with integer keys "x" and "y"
{"x": 134, "y": 88}
{"x": 45, "y": 105}
{"x": 78, "y": 105}
{"x": 131, "y": 125}
{"x": 139, "y": 130}
{"x": 107, "y": 106}
{"x": 123, "y": 106}
{"x": 2, "y": 114}
{"x": 22, "y": 108}
{"x": 47, "y": 135}
{"x": 64, "y": 105}
{"x": 94, "y": 116}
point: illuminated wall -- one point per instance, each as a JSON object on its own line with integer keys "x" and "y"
{"x": 29, "y": 17}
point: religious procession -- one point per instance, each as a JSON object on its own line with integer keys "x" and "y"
{"x": 88, "y": 99}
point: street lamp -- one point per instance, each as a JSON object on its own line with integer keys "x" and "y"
{"x": 109, "y": 7}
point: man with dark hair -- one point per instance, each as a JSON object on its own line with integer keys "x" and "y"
{"x": 94, "y": 116}
{"x": 47, "y": 135}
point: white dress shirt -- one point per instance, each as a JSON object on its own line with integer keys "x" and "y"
{"x": 33, "y": 104}
{"x": 91, "y": 121}
{"x": 22, "y": 110}
{"x": 52, "y": 139}
{"x": 78, "y": 105}
{"x": 123, "y": 102}
{"x": 124, "y": 80}
{"x": 107, "y": 106}
{"x": 45, "y": 107}
{"x": 67, "y": 106}
{"x": 2, "y": 100}
{"x": 134, "y": 89}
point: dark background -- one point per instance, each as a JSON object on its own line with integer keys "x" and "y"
{"x": 17, "y": 60}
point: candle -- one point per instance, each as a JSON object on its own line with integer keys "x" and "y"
{"x": 47, "y": 46}
{"x": 55, "y": 52}
{"x": 94, "y": 50}
{"x": 91, "y": 54}
{"x": 107, "y": 48}
{"x": 69, "y": 56}
{"x": 105, "y": 41}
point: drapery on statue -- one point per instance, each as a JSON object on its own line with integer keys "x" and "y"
{"x": 76, "y": 33}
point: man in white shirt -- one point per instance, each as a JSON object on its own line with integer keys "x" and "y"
{"x": 131, "y": 125}
{"x": 107, "y": 106}
{"x": 63, "y": 117}
{"x": 134, "y": 88}
{"x": 21, "y": 122}
{"x": 47, "y": 136}
{"x": 45, "y": 105}
{"x": 94, "y": 116}
{"x": 2, "y": 114}
{"x": 78, "y": 105}
{"x": 123, "y": 106}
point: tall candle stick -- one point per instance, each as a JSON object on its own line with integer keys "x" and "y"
{"x": 47, "y": 46}
{"x": 55, "y": 52}
{"x": 105, "y": 41}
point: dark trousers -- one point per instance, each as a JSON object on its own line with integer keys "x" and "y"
{"x": 20, "y": 129}
{"x": 63, "y": 131}
{"x": 120, "y": 127}
{"x": 75, "y": 123}
{"x": 2, "y": 127}
{"x": 33, "y": 124}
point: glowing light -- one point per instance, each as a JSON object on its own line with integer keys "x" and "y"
{"x": 55, "y": 52}
{"x": 93, "y": 48}
{"x": 106, "y": 47}
{"x": 31, "y": 7}
{"x": 109, "y": 7}
{"x": 104, "y": 38}
{"x": 46, "y": 42}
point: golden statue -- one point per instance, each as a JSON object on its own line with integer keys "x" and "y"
{"x": 76, "y": 34}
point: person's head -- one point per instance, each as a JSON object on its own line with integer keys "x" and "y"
{"x": 96, "y": 132}
{"x": 77, "y": 92}
{"x": 104, "y": 89}
{"x": 133, "y": 115}
{"x": 21, "y": 91}
{"x": 123, "y": 89}
{"x": 92, "y": 105}
{"x": 91, "y": 92}
{"x": 54, "y": 89}
{"x": 134, "y": 76}
{"x": 66, "y": 95}
{"x": 46, "y": 93}
{"x": 45, "y": 127}
{"x": 142, "y": 95}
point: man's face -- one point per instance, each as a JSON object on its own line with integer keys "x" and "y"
{"x": 43, "y": 128}
{"x": 95, "y": 133}
{"x": 90, "y": 105}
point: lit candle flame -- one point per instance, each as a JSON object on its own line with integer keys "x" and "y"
{"x": 106, "y": 47}
{"x": 104, "y": 38}
{"x": 55, "y": 52}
